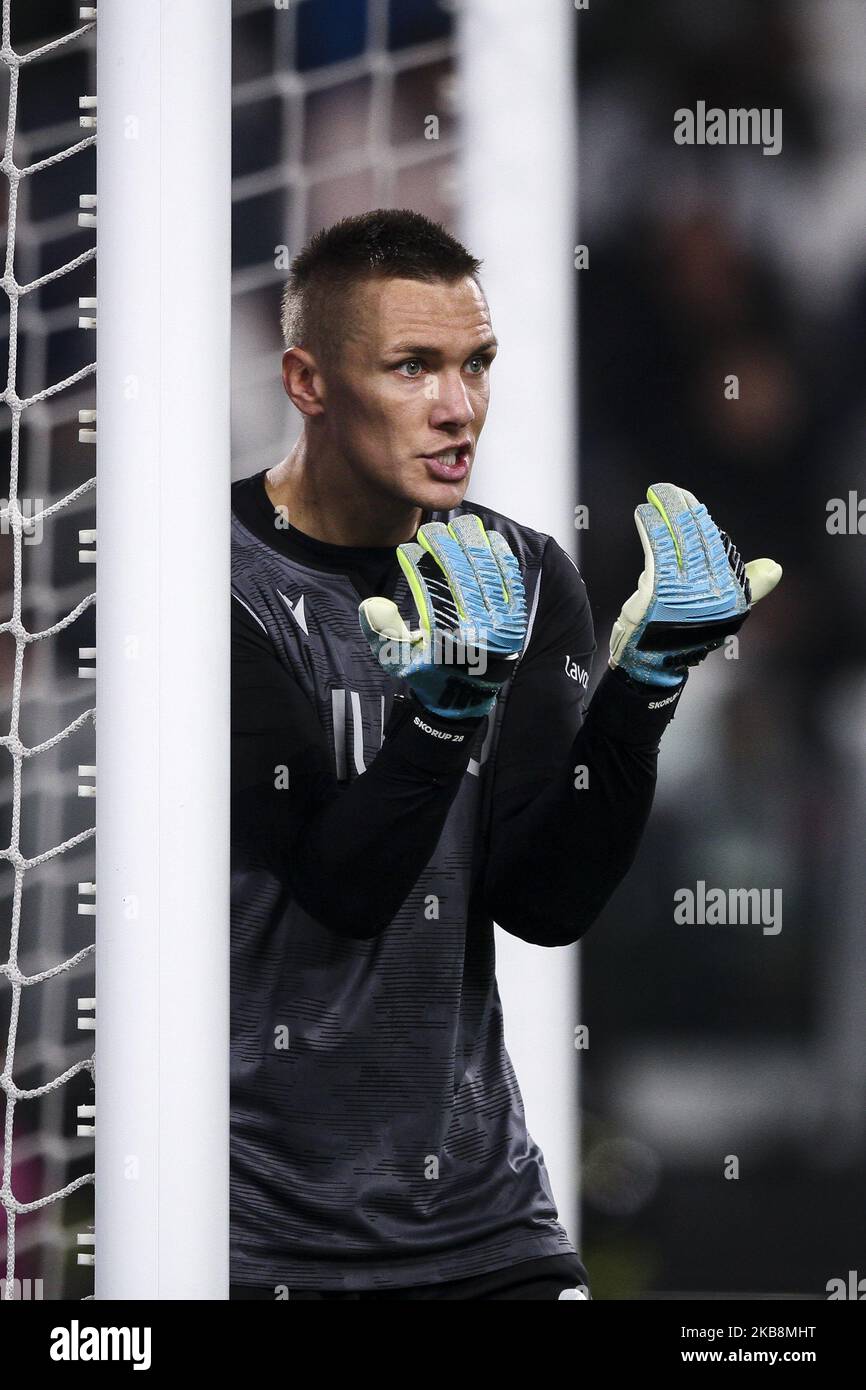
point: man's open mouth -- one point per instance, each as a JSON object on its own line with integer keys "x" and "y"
{"x": 456, "y": 458}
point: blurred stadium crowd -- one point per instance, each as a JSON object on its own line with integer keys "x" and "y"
{"x": 711, "y": 1040}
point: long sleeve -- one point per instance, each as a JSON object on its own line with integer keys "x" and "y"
{"x": 574, "y": 786}
{"x": 350, "y": 854}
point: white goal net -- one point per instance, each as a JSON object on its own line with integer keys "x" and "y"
{"x": 46, "y": 656}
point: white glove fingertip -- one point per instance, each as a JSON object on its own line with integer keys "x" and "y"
{"x": 763, "y": 576}
{"x": 384, "y": 618}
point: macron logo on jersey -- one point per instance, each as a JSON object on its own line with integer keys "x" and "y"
{"x": 296, "y": 610}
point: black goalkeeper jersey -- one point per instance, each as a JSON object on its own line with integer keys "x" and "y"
{"x": 378, "y": 1137}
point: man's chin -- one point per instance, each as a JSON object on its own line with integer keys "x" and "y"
{"x": 431, "y": 494}
{"x": 439, "y": 493}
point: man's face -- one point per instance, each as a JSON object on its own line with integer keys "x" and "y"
{"x": 407, "y": 399}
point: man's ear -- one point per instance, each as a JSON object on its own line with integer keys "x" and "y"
{"x": 303, "y": 382}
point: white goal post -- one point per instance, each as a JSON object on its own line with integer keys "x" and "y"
{"x": 163, "y": 583}
{"x": 519, "y": 179}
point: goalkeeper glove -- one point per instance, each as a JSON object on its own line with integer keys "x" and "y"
{"x": 694, "y": 591}
{"x": 471, "y": 603}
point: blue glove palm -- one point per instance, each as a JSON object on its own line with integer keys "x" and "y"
{"x": 694, "y": 591}
{"x": 471, "y": 603}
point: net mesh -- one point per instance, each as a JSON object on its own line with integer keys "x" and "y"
{"x": 47, "y": 837}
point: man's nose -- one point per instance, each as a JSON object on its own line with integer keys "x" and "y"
{"x": 451, "y": 405}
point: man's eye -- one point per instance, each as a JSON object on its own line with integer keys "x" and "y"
{"x": 477, "y": 365}
{"x": 408, "y": 367}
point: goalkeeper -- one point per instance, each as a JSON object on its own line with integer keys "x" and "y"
{"x": 412, "y": 761}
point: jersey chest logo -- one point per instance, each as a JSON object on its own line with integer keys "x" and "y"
{"x": 297, "y": 610}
